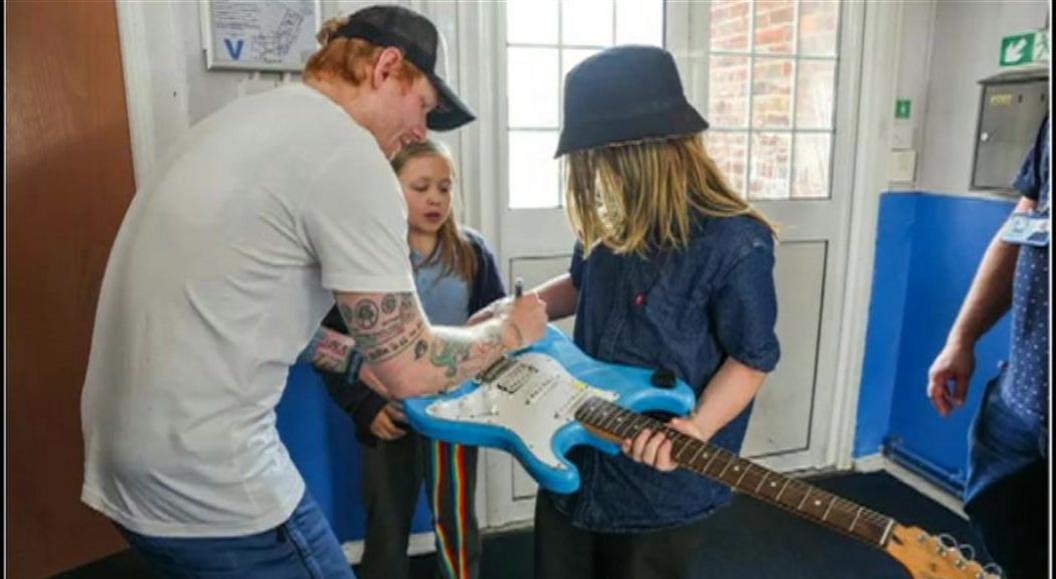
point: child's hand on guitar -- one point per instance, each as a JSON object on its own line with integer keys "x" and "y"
{"x": 654, "y": 448}
{"x": 385, "y": 425}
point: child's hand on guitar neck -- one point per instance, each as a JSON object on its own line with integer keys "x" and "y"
{"x": 654, "y": 448}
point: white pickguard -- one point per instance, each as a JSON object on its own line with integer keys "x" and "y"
{"x": 534, "y": 399}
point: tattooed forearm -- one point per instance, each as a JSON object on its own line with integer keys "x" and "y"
{"x": 463, "y": 356}
{"x": 449, "y": 355}
{"x": 384, "y": 326}
{"x": 330, "y": 350}
{"x": 388, "y": 327}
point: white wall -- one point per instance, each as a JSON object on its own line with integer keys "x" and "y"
{"x": 169, "y": 88}
{"x": 965, "y": 47}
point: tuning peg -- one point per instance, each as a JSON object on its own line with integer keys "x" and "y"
{"x": 967, "y": 556}
{"x": 946, "y": 543}
{"x": 993, "y": 570}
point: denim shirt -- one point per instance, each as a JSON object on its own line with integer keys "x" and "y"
{"x": 685, "y": 311}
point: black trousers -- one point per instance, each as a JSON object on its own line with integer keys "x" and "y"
{"x": 563, "y": 551}
{"x": 393, "y": 473}
{"x": 1011, "y": 517}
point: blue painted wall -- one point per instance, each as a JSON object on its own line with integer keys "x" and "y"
{"x": 322, "y": 442}
{"x": 927, "y": 250}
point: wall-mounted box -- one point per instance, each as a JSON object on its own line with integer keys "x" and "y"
{"x": 1011, "y": 110}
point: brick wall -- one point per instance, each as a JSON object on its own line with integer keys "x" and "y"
{"x": 787, "y": 94}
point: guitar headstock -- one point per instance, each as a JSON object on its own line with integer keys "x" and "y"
{"x": 927, "y": 556}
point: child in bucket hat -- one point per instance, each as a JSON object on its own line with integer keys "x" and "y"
{"x": 673, "y": 271}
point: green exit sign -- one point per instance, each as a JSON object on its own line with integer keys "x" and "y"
{"x": 1025, "y": 48}
{"x": 902, "y": 109}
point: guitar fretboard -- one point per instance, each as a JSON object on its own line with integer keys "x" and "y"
{"x": 615, "y": 423}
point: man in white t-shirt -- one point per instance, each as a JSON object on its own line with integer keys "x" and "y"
{"x": 227, "y": 260}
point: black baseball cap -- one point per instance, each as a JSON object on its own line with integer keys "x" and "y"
{"x": 421, "y": 44}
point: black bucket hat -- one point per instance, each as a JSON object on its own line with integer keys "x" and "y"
{"x": 421, "y": 44}
{"x": 622, "y": 95}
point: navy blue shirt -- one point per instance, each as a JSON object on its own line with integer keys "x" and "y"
{"x": 1025, "y": 387}
{"x": 686, "y": 311}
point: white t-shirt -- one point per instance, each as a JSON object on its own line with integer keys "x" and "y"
{"x": 222, "y": 270}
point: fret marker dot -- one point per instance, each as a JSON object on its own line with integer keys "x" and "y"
{"x": 817, "y": 503}
{"x": 773, "y": 484}
{"x": 736, "y": 469}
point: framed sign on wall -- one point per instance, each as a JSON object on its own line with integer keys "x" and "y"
{"x": 272, "y": 35}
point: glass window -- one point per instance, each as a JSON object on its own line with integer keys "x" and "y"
{"x": 771, "y": 89}
{"x": 544, "y": 40}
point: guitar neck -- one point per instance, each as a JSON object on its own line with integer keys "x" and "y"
{"x": 614, "y": 423}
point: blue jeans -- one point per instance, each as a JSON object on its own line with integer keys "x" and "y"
{"x": 302, "y": 547}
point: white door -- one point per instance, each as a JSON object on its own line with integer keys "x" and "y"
{"x": 778, "y": 84}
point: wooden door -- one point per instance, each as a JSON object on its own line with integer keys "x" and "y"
{"x": 69, "y": 182}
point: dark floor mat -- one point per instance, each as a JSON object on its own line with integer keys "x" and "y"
{"x": 753, "y": 540}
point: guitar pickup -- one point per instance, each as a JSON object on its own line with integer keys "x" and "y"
{"x": 516, "y": 377}
{"x": 496, "y": 369}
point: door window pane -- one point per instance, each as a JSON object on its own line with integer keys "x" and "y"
{"x": 531, "y": 21}
{"x": 770, "y": 164}
{"x": 640, "y": 22}
{"x": 775, "y": 26}
{"x": 533, "y": 171}
{"x": 586, "y": 22}
{"x": 813, "y": 157}
{"x": 818, "y": 25}
{"x": 730, "y": 151}
{"x": 728, "y": 91}
{"x": 532, "y": 80}
{"x": 544, "y": 40}
{"x": 772, "y": 92}
{"x": 730, "y": 25}
{"x": 815, "y": 90}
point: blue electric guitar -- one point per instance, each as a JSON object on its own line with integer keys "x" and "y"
{"x": 543, "y": 400}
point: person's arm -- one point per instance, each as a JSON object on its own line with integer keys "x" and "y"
{"x": 559, "y": 294}
{"x": 989, "y": 298}
{"x": 727, "y": 395}
{"x": 329, "y": 350}
{"x": 386, "y": 423}
{"x": 411, "y": 358}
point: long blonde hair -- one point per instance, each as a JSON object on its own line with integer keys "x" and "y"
{"x": 453, "y": 248}
{"x": 350, "y": 59}
{"x": 640, "y": 197}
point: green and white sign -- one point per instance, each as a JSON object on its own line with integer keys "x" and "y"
{"x": 1025, "y": 48}
{"x": 902, "y": 108}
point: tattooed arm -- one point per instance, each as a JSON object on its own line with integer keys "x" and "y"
{"x": 330, "y": 350}
{"x": 413, "y": 358}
